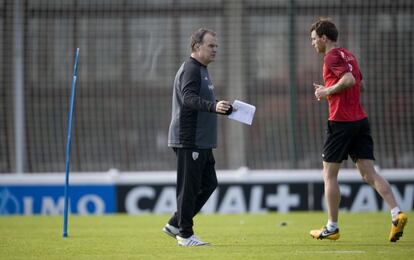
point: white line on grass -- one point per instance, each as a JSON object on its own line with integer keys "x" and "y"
{"x": 333, "y": 252}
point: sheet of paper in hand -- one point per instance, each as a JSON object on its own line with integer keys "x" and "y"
{"x": 242, "y": 112}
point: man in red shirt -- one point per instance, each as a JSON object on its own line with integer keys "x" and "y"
{"x": 348, "y": 130}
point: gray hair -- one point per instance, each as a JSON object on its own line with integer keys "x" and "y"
{"x": 198, "y": 35}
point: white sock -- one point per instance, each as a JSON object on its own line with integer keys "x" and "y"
{"x": 331, "y": 226}
{"x": 394, "y": 212}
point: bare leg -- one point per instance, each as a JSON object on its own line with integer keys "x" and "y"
{"x": 332, "y": 194}
{"x": 381, "y": 185}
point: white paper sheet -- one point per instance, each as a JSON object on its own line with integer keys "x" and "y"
{"x": 242, "y": 112}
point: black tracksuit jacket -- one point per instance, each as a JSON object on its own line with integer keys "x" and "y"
{"x": 193, "y": 119}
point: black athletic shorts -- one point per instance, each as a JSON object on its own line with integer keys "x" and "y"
{"x": 348, "y": 138}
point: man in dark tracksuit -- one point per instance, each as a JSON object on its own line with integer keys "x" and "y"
{"x": 193, "y": 135}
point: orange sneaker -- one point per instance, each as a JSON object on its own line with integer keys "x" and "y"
{"x": 324, "y": 233}
{"x": 397, "y": 227}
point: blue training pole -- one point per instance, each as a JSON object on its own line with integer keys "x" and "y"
{"x": 68, "y": 144}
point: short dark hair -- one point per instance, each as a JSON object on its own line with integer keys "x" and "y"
{"x": 198, "y": 35}
{"x": 325, "y": 26}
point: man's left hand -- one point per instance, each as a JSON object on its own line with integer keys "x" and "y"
{"x": 223, "y": 107}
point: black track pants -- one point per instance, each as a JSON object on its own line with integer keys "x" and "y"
{"x": 196, "y": 181}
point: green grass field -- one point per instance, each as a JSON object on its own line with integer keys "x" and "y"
{"x": 363, "y": 236}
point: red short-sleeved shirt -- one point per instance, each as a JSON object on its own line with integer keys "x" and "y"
{"x": 344, "y": 106}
